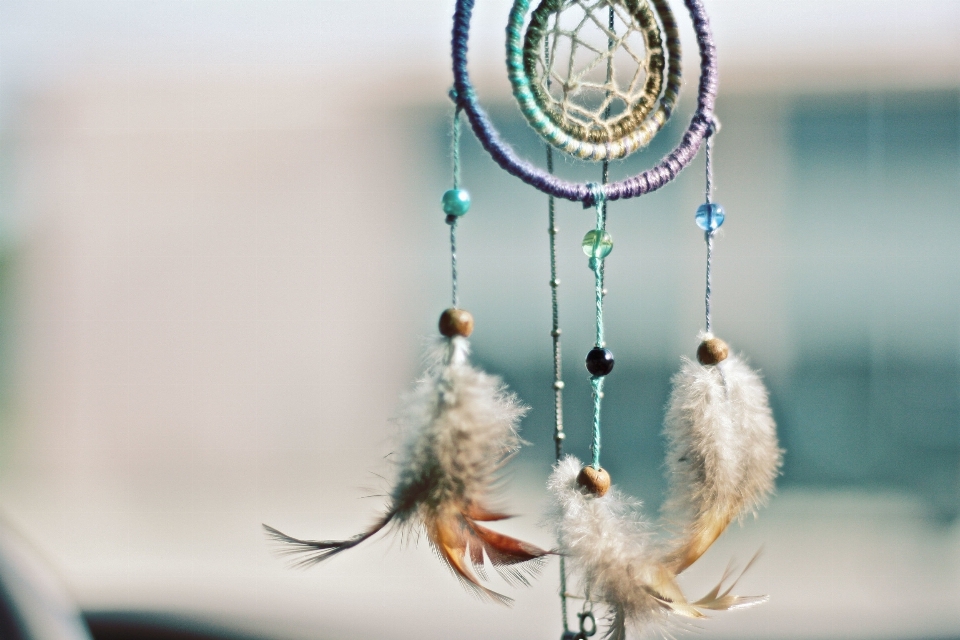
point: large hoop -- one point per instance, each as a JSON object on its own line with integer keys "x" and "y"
{"x": 650, "y": 180}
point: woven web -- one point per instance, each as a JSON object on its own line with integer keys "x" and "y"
{"x": 593, "y": 73}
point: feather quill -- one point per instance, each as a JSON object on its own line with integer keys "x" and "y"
{"x": 461, "y": 426}
{"x": 722, "y": 452}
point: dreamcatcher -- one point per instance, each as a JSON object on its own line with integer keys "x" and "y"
{"x": 597, "y": 80}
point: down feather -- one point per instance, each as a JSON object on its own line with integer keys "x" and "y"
{"x": 462, "y": 427}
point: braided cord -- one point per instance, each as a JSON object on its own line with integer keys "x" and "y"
{"x": 708, "y": 235}
{"x": 596, "y": 264}
{"x": 709, "y": 290}
{"x": 558, "y": 435}
{"x": 650, "y": 180}
{"x": 456, "y": 146}
{"x": 597, "y": 384}
{"x": 453, "y": 220}
{"x": 708, "y": 165}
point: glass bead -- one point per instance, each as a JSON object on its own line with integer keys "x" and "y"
{"x": 710, "y": 216}
{"x": 456, "y": 202}
{"x": 597, "y": 244}
{"x": 599, "y": 362}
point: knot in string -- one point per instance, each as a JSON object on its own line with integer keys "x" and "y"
{"x": 597, "y": 195}
{"x": 713, "y": 126}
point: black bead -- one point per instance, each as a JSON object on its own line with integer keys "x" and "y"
{"x": 599, "y": 361}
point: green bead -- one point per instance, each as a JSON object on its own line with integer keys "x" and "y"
{"x": 597, "y": 244}
{"x": 456, "y": 202}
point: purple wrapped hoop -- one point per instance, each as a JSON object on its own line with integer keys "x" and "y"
{"x": 645, "y": 182}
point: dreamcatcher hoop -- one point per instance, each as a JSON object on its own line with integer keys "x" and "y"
{"x": 588, "y": 193}
{"x": 632, "y": 130}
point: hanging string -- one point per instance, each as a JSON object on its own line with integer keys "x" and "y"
{"x": 708, "y": 148}
{"x": 596, "y": 264}
{"x": 597, "y": 383}
{"x": 452, "y": 220}
{"x": 558, "y": 435}
{"x": 601, "y": 203}
{"x": 611, "y": 43}
{"x": 708, "y": 235}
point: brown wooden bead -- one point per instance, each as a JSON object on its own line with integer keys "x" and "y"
{"x": 456, "y": 322}
{"x": 712, "y": 351}
{"x": 596, "y": 481}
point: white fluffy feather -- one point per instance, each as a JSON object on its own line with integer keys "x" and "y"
{"x": 461, "y": 426}
{"x": 722, "y": 452}
{"x": 611, "y": 547}
{"x": 722, "y": 460}
{"x": 609, "y": 544}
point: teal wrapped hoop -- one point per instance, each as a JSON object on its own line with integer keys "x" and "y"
{"x": 631, "y": 132}
{"x": 644, "y": 182}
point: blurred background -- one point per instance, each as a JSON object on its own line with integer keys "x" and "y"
{"x": 221, "y": 251}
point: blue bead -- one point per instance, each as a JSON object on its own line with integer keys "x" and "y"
{"x": 456, "y": 202}
{"x": 710, "y": 216}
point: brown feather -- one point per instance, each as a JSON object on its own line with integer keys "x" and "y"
{"x": 481, "y": 514}
{"x": 311, "y": 552}
{"x": 718, "y": 601}
{"x": 708, "y": 530}
{"x": 666, "y": 591}
{"x": 502, "y": 549}
{"x": 447, "y": 534}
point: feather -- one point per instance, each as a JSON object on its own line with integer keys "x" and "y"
{"x": 722, "y": 452}
{"x": 724, "y": 601}
{"x": 611, "y": 547}
{"x": 608, "y": 543}
{"x": 461, "y": 429}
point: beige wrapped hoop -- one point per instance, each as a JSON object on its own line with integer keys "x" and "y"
{"x": 601, "y": 139}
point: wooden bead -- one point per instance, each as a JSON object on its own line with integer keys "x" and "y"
{"x": 712, "y": 351}
{"x": 596, "y": 481}
{"x": 456, "y": 322}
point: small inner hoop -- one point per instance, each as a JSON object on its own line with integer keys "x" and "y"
{"x": 507, "y": 158}
{"x": 600, "y": 133}
{"x": 601, "y": 121}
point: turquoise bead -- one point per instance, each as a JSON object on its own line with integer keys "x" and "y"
{"x": 456, "y": 202}
{"x": 597, "y": 244}
{"x": 710, "y": 216}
